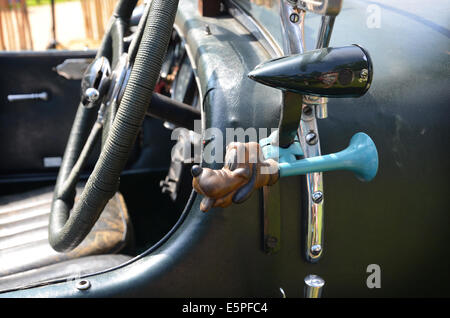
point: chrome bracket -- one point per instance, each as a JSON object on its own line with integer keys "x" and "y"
{"x": 308, "y": 133}
{"x": 309, "y": 139}
{"x": 292, "y": 18}
{"x": 317, "y": 103}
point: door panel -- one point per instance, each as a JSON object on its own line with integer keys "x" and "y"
{"x": 34, "y": 133}
{"x": 32, "y": 130}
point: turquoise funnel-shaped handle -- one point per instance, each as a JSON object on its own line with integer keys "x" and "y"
{"x": 361, "y": 157}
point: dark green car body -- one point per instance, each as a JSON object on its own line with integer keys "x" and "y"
{"x": 398, "y": 221}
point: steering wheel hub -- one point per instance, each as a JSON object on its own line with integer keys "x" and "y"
{"x": 118, "y": 81}
{"x": 96, "y": 77}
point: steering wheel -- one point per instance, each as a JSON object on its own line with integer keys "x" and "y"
{"x": 71, "y": 221}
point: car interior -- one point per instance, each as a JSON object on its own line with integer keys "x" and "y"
{"x": 154, "y": 186}
{"x": 121, "y": 167}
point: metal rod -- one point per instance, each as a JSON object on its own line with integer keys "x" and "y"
{"x": 323, "y": 40}
{"x": 32, "y": 96}
{"x": 313, "y": 286}
{"x": 167, "y": 109}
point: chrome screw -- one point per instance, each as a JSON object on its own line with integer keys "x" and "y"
{"x": 307, "y": 110}
{"x": 271, "y": 242}
{"x": 316, "y": 249}
{"x": 294, "y": 18}
{"x": 311, "y": 138}
{"x": 317, "y": 196}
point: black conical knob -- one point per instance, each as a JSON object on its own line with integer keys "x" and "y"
{"x": 328, "y": 72}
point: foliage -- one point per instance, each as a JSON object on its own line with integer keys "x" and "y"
{"x": 42, "y": 2}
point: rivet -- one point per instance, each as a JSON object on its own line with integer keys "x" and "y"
{"x": 271, "y": 242}
{"x": 83, "y": 284}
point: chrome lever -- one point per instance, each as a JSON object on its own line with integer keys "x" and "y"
{"x": 323, "y": 40}
{"x": 33, "y": 96}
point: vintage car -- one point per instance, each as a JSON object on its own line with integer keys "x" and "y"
{"x": 151, "y": 180}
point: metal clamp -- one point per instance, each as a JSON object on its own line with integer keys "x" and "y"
{"x": 317, "y": 103}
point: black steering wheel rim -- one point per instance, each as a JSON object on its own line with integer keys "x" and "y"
{"x": 71, "y": 221}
